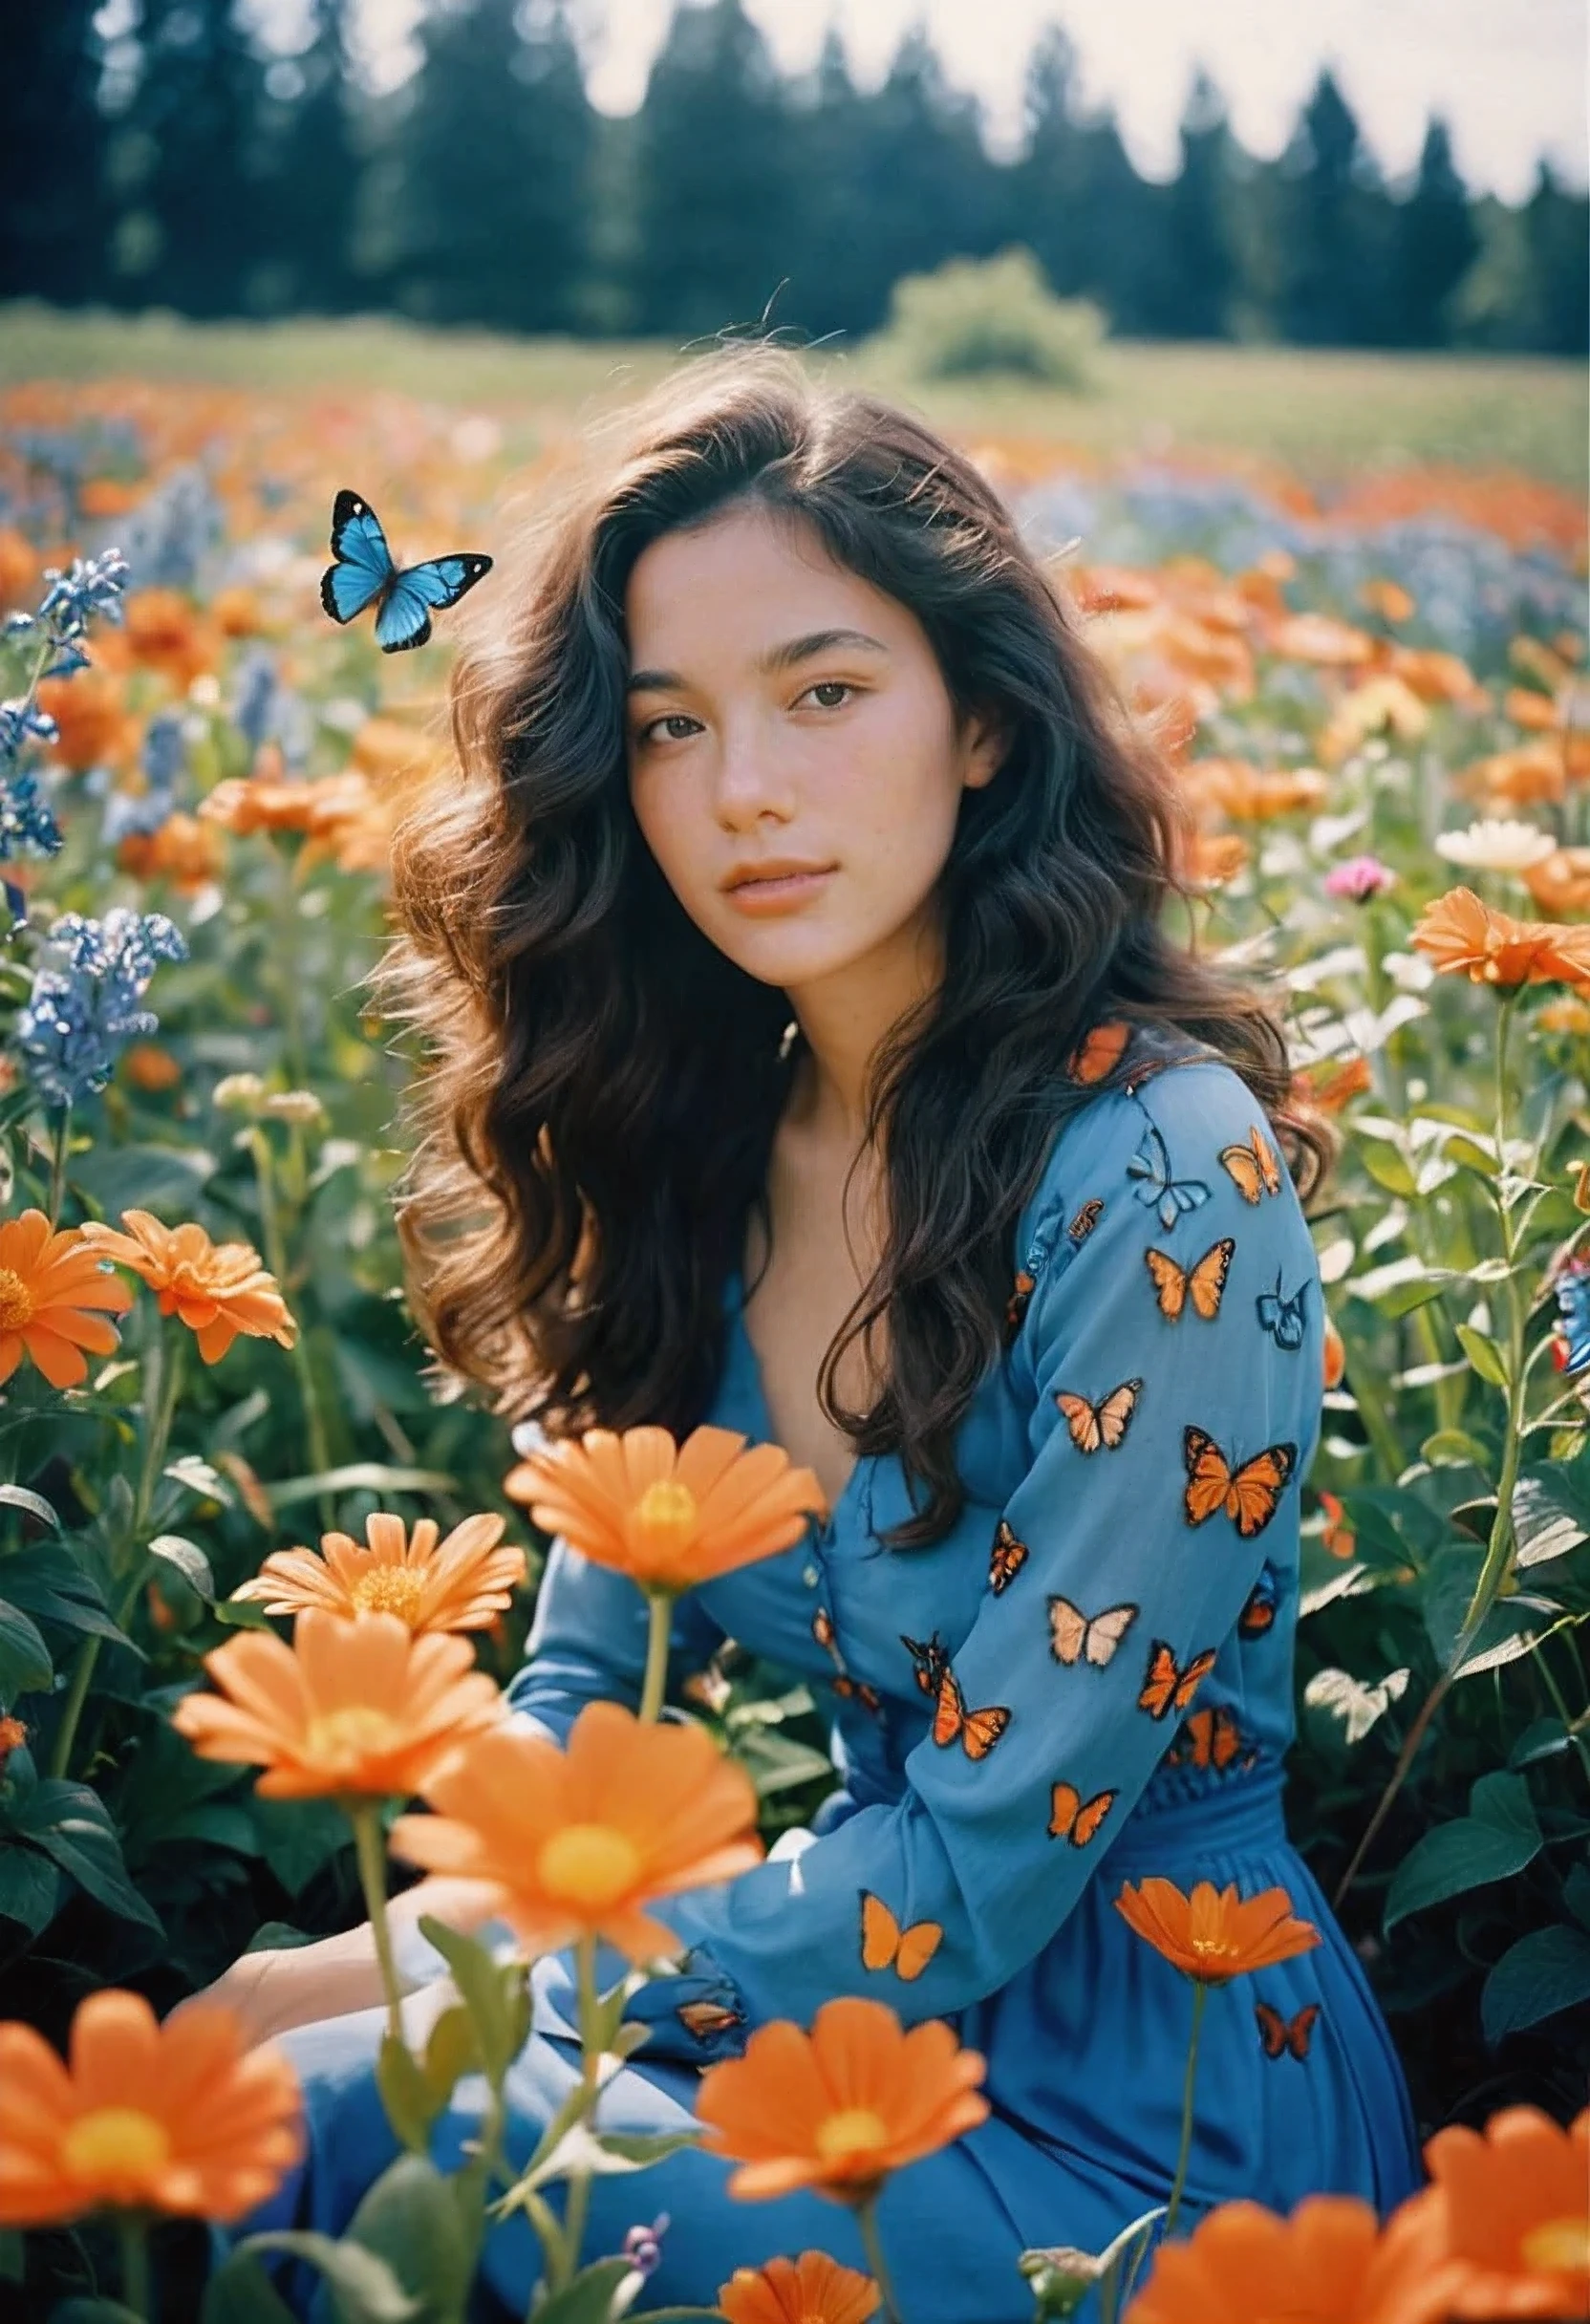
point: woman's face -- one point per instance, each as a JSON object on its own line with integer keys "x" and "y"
{"x": 781, "y": 708}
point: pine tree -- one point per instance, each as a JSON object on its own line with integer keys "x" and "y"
{"x": 197, "y": 112}
{"x": 1434, "y": 245}
{"x": 315, "y": 172}
{"x": 1198, "y": 275}
{"x": 1334, "y": 262}
{"x": 830, "y": 288}
{"x": 1557, "y": 236}
{"x": 1047, "y": 183}
{"x": 54, "y": 208}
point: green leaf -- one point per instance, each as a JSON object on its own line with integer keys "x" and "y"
{"x": 597, "y": 2295}
{"x": 1542, "y": 1739}
{"x": 164, "y": 1179}
{"x": 1354, "y": 1703}
{"x": 364, "y": 2287}
{"x": 189, "y": 1560}
{"x": 364, "y": 1476}
{"x": 487, "y": 1990}
{"x": 1484, "y": 1354}
{"x": 278, "y": 1936}
{"x": 18, "y": 1497}
{"x": 1458, "y": 1857}
{"x": 1387, "y": 1167}
{"x": 1551, "y": 1513}
{"x": 410, "y": 2106}
{"x": 1545, "y": 1972}
{"x": 29, "y": 1887}
{"x": 25, "y": 1664}
{"x": 192, "y": 1471}
{"x": 298, "y": 1838}
{"x": 1449, "y": 1446}
{"x": 409, "y": 2220}
{"x": 73, "y": 1826}
{"x": 1508, "y": 1630}
{"x": 241, "y": 2292}
{"x": 13, "y": 2256}
{"x": 451, "y": 2052}
{"x": 605, "y": 2153}
{"x": 1401, "y": 1298}
{"x": 46, "y": 1581}
{"x": 1503, "y": 1799}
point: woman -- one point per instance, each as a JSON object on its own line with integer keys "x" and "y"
{"x": 781, "y": 721}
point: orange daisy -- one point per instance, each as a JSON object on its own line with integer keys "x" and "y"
{"x": 183, "y": 2117}
{"x": 574, "y": 1842}
{"x": 1459, "y": 932}
{"x": 244, "y": 804}
{"x": 461, "y": 1584}
{"x": 1327, "y": 2264}
{"x": 670, "y": 1516}
{"x": 839, "y": 2108}
{"x": 350, "y": 1709}
{"x": 50, "y": 1285}
{"x": 1507, "y": 2220}
{"x": 218, "y": 1289}
{"x": 1561, "y": 882}
{"x": 183, "y": 850}
{"x": 811, "y": 2289}
{"x": 1335, "y": 1355}
{"x": 1211, "y": 1935}
{"x": 1337, "y": 1537}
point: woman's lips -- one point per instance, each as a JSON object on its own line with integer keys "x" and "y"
{"x": 763, "y": 896}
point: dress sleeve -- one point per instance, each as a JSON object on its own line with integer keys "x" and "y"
{"x": 587, "y": 1644}
{"x": 1171, "y": 1423}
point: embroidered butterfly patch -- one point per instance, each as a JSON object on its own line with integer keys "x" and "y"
{"x": 1284, "y": 1319}
{"x": 1166, "y": 1687}
{"x": 1075, "y": 1637}
{"x": 1202, "y": 1282}
{"x": 978, "y": 1731}
{"x": 704, "y": 2019}
{"x": 1167, "y": 1195}
{"x": 1102, "y": 1424}
{"x": 1075, "y": 1819}
{"x": 850, "y": 1689}
{"x": 1258, "y": 1614}
{"x": 1247, "y": 1496}
{"x": 366, "y": 573}
{"x": 1005, "y": 1560}
{"x": 1085, "y": 1219}
{"x": 1209, "y": 1738}
{"x": 1280, "y": 2035}
{"x": 886, "y": 1945}
{"x": 931, "y": 1661}
{"x": 1253, "y": 1167}
{"x": 1018, "y": 1302}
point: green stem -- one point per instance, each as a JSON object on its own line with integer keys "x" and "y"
{"x": 275, "y": 1256}
{"x": 579, "y": 2181}
{"x": 1200, "y": 1997}
{"x": 162, "y": 1367}
{"x": 57, "y": 1166}
{"x": 1559, "y": 1702}
{"x": 290, "y": 929}
{"x": 659, "y": 1623}
{"x": 872, "y": 2243}
{"x": 131, "y": 2235}
{"x": 370, "y": 1848}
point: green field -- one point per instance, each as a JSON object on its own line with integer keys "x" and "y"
{"x": 1327, "y": 412}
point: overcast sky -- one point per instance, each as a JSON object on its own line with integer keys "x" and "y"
{"x": 1508, "y": 75}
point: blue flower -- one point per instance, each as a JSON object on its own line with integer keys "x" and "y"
{"x": 92, "y": 586}
{"x": 83, "y": 1011}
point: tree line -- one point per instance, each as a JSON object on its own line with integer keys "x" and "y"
{"x": 177, "y": 163}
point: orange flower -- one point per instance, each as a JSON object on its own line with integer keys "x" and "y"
{"x": 183, "y": 850}
{"x": 811, "y": 2289}
{"x": 236, "y": 613}
{"x": 50, "y": 1286}
{"x": 1389, "y": 600}
{"x": 1246, "y": 794}
{"x": 182, "y": 2117}
{"x": 93, "y": 727}
{"x": 1532, "y": 773}
{"x": 149, "y": 1067}
{"x": 1320, "y": 637}
{"x": 218, "y": 1289}
{"x": 350, "y": 1709}
{"x": 260, "y": 803}
{"x": 574, "y": 1842}
{"x": 12, "y": 1735}
{"x": 1210, "y": 1935}
{"x": 1336, "y": 1354}
{"x": 1213, "y": 858}
{"x": 1329, "y": 1089}
{"x": 164, "y": 632}
{"x": 1507, "y": 2221}
{"x": 1327, "y": 2264}
{"x": 839, "y": 2108}
{"x": 669, "y": 1516}
{"x": 1564, "y": 1016}
{"x": 1561, "y": 881}
{"x": 107, "y": 496}
{"x": 460, "y": 1586}
{"x": 21, "y": 569}
{"x": 1459, "y": 932}
{"x": 1337, "y": 1537}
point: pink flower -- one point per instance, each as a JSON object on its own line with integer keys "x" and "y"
{"x": 1360, "y": 878}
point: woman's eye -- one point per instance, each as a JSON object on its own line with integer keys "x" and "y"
{"x": 831, "y": 685}
{"x": 670, "y": 717}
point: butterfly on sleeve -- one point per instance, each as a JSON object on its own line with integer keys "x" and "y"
{"x": 886, "y": 1945}
{"x": 365, "y": 574}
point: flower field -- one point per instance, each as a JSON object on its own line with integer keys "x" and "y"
{"x": 264, "y": 1574}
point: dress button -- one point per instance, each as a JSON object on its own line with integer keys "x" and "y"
{"x": 810, "y": 1577}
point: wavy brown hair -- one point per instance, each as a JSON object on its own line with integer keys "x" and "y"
{"x": 592, "y": 1122}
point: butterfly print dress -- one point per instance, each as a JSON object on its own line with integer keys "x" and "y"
{"x": 1088, "y": 1682}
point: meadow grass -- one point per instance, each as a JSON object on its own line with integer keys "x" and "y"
{"x": 1327, "y": 412}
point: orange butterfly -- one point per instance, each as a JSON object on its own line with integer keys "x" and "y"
{"x": 1072, "y": 1819}
{"x": 705, "y": 2018}
{"x": 1253, "y": 1167}
{"x": 1247, "y": 1496}
{"x": 1280, "y": 2034}
{"x": 1085, "y": 1219}
{"x": 1209, "y": 1738}
{"x": 1005, "y": 1560}
{"x": 979, "y": 1730}
{"x": 886, "y": 1945}
{"x": 1205, "y": 1279}
{"x": 1016, "y": 1306}
{"x": 1099, "y": 1052}
{"x": 821, "y": 1629}
{"x": 1259, "y": 1612}
{"x": 1105, "y": 1423}
{"x": 1072, "y": 1635}
{"x": 857, "y": 1690}
{"x": 1166, "y": 1688}
{"x": 931, "y": 1661}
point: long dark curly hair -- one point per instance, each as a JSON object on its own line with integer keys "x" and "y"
{"x": 592, "y": 1116}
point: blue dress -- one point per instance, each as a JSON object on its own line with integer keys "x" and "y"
{"x": 1020, "y": 1725}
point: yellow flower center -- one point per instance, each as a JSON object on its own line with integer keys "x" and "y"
{"x": 1558, "y": 2245}
{"x": 114, "y": 2143}
{"x": 855, "y": 2130}
{"x": 346, "y": 1738}
{"x": 16, "y": 1301}
{"x": 1215, "y": 1956}
{"x": 391, "y": 1589}
{"x": 588, "y": 1863}
{"x": 664, "y": 1523}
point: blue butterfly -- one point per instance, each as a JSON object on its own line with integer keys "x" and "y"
{"x": 1284, "y": 1319}
{"x": 1170, "y": 1196}
{"x": 364, "y": 571}
{"x": 1572, "y": 1300}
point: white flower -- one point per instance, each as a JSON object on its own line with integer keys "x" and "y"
{"x": 1491, "y": 845}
